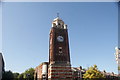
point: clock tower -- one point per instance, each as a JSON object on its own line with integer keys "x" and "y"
{"x": 59, "y": 55}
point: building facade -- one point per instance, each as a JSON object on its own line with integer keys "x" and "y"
{"x": 41, "y": 71}
{"x": 117, "y": 56}
{"x": 1, "y": 65}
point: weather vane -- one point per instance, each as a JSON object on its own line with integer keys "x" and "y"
{"x": 57, "y": 14}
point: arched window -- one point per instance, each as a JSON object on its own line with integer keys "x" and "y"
{"x": 54, "y": 24}
{"x": 58, "y": 23}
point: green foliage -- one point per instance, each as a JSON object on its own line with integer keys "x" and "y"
{"x": 93, "y": 73}
{"x": 118, "y": 67}
{"x": 29, "y": 73}
{"x": 16, "y": 75}
{"x": 20, "y": 77}
{"x": 8, "y": 75}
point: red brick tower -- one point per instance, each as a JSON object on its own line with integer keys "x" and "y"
{"x": 59, "y": 55}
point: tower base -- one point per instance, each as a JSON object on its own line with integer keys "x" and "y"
{"x": 59, "y": 72}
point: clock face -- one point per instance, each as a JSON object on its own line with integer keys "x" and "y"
{"x": 60, "y": 38}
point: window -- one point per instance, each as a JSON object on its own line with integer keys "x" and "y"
{"x": 58, "y": 23}
{"x": 60, "y": 49}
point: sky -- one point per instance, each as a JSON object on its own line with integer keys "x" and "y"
{"x": 92, "y": 29}
{"x": 60, "y": 0}
{"x": 0, "y": 28}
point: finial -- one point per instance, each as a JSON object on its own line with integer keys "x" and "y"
{"x": 58, "y": 15}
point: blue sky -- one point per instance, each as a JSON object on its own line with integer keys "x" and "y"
{"x": 0, "y": 27}
{"x": 60, "y": 0}
{"x": 92, "y": 33}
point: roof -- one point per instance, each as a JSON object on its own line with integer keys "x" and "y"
{"x": 42, "y": 64}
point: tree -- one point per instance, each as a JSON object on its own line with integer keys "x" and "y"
{"x": 28, "y": 74}
{"x": 93, "y": 73}
{"x": 21, "y": 76}
{"x": 16, "y": 75}
{"x": 8, "y": 75}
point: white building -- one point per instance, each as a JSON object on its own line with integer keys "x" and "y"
{"x": 1, "y": 65}
{"x": 117, "y": 56}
